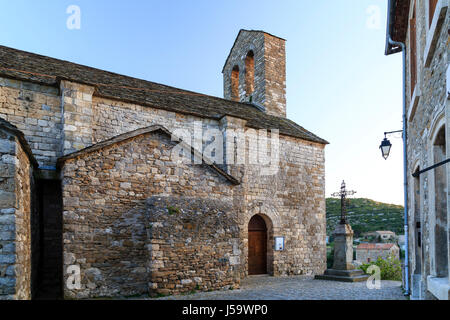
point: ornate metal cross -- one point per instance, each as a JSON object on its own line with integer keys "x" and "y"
{"x": 343, "y": 195}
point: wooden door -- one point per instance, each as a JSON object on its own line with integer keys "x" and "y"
{"x": 257, "y": 246}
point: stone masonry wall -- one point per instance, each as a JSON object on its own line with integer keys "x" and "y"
{"x": 295, "y": 194}
{"x": 363, "y": 255}
{"x": 24, "y": 181}
{"x": 293, "y": 203}
{"x": 244, "y": 43}
{"x": 16, "y": 183}
{"x": 275, "y": 75}
{"x": 78, "y": 116}
{"x": 194, "y": 245}
{"x": 426, "y": 113}
{"x": 35, "y": 110}
{"x": 105, "y": 223}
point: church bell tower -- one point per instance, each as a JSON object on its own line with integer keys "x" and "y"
{"x": 255, "y": 71}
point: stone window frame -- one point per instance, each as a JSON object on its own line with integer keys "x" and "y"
{"x": 448, "y": 82}
{"x": 415, "y": 95}
{"x": 437, "y": 124}
{"x": 413, "y": 213}
{"x": 433, "y": 28}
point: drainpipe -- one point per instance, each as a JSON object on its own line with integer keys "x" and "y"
{"x": 405, "y": 165}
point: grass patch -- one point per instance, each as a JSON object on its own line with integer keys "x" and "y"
{"x": 173, "y": 210}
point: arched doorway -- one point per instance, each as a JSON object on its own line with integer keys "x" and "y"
{"x": 257, "y": 246}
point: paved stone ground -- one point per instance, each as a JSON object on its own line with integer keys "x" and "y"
{"x": 299, "y": 288}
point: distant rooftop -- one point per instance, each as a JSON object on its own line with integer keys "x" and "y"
{"x": 375, "y": 246}
{"x": 385, "y": 232}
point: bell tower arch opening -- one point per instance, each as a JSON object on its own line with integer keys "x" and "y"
{"x": 250, "y": 73}
{"x": 235, "y": 84}
{"x": 261, "y": 58}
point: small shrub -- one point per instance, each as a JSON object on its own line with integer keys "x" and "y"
{"x": 330, "y": 258}
{"x": 390, "y": 268}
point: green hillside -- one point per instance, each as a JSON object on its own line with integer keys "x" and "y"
{"x": 365, "y": 215}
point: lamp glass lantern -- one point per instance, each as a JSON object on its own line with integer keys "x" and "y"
{"x": 385, "y": 148}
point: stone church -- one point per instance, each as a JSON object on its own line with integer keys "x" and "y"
{"x": 94, "y": 205}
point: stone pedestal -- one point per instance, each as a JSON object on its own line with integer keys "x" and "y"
{"x": 343, "y": 268}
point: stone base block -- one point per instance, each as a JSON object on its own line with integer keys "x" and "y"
{"x": 343, "y": 275}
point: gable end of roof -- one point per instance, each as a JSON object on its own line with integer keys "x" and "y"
{"x": 139, "y": 132}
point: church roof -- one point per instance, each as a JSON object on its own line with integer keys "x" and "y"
{"x": 384, "y": 232}
{"x": 49, "y": 71}
{"x": 143, "y": 131}
{"x": 375, "y": 246}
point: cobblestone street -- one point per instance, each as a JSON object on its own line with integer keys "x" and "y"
{"x": 299, "y": 288}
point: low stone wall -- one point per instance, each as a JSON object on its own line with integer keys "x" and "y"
{"x": 194, "y": 245}
{"x": 363, "y": 255}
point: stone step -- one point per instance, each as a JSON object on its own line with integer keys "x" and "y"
{"x": 344, "y": 273}
{"x": 343, "y": 278}
{"x": 355, "y": 275}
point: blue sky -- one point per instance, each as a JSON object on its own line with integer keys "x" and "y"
{"x": 339, "y": 83}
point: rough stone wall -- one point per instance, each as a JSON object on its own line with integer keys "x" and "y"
{"x": 111, "y": 118}
{"x": 363, "y": 255}
{"x": 244, "y": 43}
{"x": 269, "y": 70}
{"x": 77, "y": 122}
{"x": 105, "y": 223}
{"x": 293, "y": 202}
{"x": 426, "y": 113}
{"x": 16, "y": 183}
{"x": 7, "y": 216}
{"x": 24, "y": 178}
{"x": 194, "y": 245}
{"x": 295, "y": 194}
{"x": 275, "y": 75}
{"x": 35, "y": 110}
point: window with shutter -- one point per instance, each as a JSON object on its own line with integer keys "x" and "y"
{"x": 432, "y": 8}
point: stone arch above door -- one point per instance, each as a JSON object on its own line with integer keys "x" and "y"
{"x": 264, "y": 209}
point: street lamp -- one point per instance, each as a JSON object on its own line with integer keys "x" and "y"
{"x": 385, "y": 148}
{"x": 386, "y": 144}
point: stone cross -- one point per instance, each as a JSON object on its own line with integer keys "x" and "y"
{"x": 343, "y": 268}
{"x": 343, "y": 195}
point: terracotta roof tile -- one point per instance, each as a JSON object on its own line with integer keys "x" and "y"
{"x": 375, "y": 246}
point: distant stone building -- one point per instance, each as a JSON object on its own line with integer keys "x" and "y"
{"x": 385, "y": 235}
{"x": 370, "y": 252}
{"x": 423, "y": 26}
{"x": 93, "y": 203}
